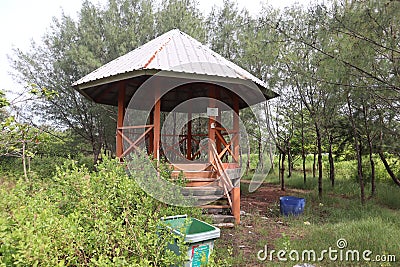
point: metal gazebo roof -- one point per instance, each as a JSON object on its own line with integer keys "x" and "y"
{"x": 175, "y": 55}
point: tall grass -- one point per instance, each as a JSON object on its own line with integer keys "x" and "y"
{"x": 339, "y": 214}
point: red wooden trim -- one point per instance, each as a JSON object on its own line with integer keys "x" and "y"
{"x": 217, "y": 124}
{"x": 189, "y": 137}
{"x": 120, "y": 119}
{"x": 134, "y": 127}
{"x": 211, "y": 120}
{"x": 157, "y": 126}
{"x": 236, "y": 204}
{"x": 235, "y": 141}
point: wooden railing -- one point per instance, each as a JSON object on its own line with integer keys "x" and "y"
{"x": 134, "y": 144}
{"x": 175, "y": 147}
{"x": 227, "y": 146}
{"x": 221, "y": 173}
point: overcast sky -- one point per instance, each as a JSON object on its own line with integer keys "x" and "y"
{"x": 24, "y": 20}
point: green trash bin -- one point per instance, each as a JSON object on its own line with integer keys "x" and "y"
{"x": 199, "y": 236}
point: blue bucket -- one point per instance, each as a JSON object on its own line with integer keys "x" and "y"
{"x": 292, "y": 205}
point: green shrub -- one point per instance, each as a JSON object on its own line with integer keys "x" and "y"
{"x": 80, "y": 217}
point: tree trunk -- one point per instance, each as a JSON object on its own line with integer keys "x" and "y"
{"x": 248, "y": 160}
{"x": 24, "y": 159}
{"x": 314, "y": 165}
{"x": 271, "y": 157}
{"x": 260, "y": 152}
{"x": 282, "y": 174}
{"x": 388, "y": 169}
{"x": 360, "y": 170}
{"x": 331, "y": 163}
{"x": 371, "y": 161}
{"x": 370, "y": 150}
{"x": 303, "y": 156}
{"x": 279, "y": 166}
{"x": 358, "y": 152}
{"x": 303, "y": 152}
{"x": 290, "y": 160}
{"x": 29, "y": 164}
{"x": 319, "y": 148}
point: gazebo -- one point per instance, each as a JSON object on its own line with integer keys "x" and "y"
{"x": 200, "y": 90}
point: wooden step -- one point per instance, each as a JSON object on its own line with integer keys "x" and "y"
{"x": 194, "y": 174}
{"x": 217, "y": 209}
{"x": 217, "y": 218}
{"x": 191, "y": 166}
{"x": 206, "y": 198}
{"x": 200, "y": 182}
{"x": 203, "y": 191}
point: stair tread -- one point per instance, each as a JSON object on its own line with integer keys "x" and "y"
{"x": 215, "y": 207}
{"x": 205, "y": 188}
{"x": 206, "y": 197}
{"x": 190, "y": 166}
{"x": 219, "y": 218}
{"x": 201, "y": 179}
{"x": 191, "y": 171}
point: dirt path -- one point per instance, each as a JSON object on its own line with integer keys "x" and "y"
{"x": 261, "y": 224}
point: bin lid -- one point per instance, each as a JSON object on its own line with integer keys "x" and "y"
{"x": 194, "y": 230}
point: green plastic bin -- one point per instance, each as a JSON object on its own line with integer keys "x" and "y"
{"x": 199, "y": 236}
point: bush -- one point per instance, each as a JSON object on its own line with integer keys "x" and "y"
{"x": 80, "y": 217}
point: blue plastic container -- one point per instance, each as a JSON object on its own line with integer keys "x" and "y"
{"x": 292, "y": 205}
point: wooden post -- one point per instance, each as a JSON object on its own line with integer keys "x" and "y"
{"x": 218, "y": 124}
{"x": 151, "y": 133}
{"x": 120, "y": 119}
{"x": 189, "y": 137}
{"x": 236, "y": 190}
{"x": 156, "y": 129}
{"x": 236, "y": 151}
{"x": 211, "y": 120}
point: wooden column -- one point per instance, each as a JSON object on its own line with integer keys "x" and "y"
{"x": 218, "y": 124}
{"x": 120, "y": 119}
{"x": 236, "y": 151}
{"x": 236, "y": 190}
{"x": 189, "y": 137}
{"x": 211, "y": 120}
{"x": 157, "y": 126}
{"x": 151, "y": 133}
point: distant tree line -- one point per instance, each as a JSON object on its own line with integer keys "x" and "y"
{"x": 336, "y": 66}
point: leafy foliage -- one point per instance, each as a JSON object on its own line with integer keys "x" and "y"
{"x": 86, "y": 218}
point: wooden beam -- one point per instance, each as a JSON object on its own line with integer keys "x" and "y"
{"x": 236, "y": 128}
{"x": 157, "y": 127}
{"x": 120, "y": 119}
{"x": 151, "y": 134}
{"x": 189, "y": 137}
{"x": 211, "y": 120}
{"x": 236, "y": 190}
{"x": 235, "y": 196}
{"x": 217, "y": 123}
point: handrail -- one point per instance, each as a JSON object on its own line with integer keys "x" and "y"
{"x": 226, "y": 181}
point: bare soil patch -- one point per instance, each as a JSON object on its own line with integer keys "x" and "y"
{"x": 261, "y": 224}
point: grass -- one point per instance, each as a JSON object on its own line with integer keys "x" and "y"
{"x": 337, "y": 215}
